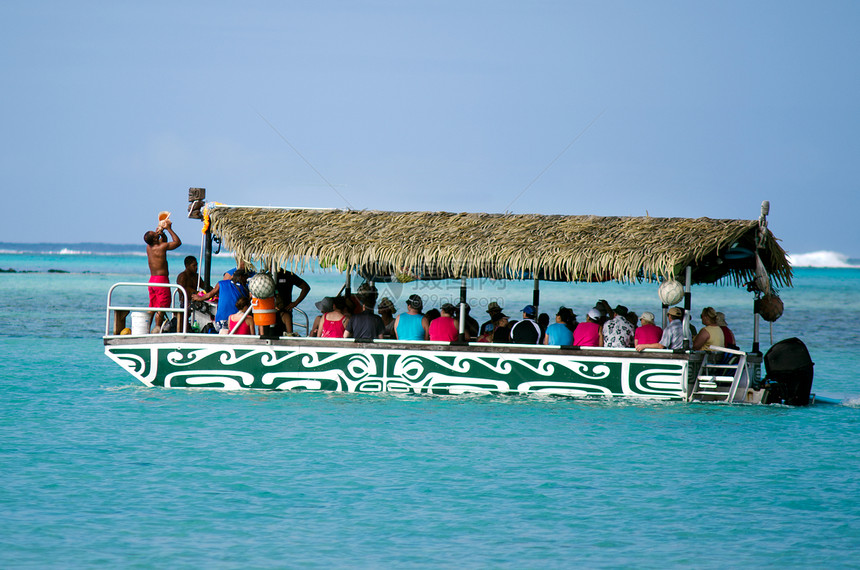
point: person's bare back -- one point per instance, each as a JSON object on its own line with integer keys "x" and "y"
{"x": 157, "y": 247}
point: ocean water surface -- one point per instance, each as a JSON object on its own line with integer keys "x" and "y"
{"x": 98, "y": 470}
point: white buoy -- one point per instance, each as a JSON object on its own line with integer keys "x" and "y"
{"x": 261, "y": 286}
{"x": 670, "y": 292}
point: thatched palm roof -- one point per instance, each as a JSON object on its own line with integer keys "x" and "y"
{"x": 553, "y": 247}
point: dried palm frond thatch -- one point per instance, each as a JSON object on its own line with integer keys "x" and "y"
{"x": 552, "y": 247}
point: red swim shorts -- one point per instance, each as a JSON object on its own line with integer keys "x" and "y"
{"x": 159, "y": 297}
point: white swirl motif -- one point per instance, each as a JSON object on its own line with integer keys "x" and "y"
{"x": 231, "y": 356}
{"x": 274, "y": 357}
{"x": 312, "y": 359}
{"x": 543, "y": 368}
{"x": 598, "y": 372}
{"x": 190, "y": 356}
{"x": 661, "y": 381}
{"x": 410, "y": 367}
{"x": 574, "y": 389}
{"x": 233, "y": 380}
{"x": 361, "y": 366}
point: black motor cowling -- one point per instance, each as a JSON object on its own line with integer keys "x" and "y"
{"x": 789, "y": 373}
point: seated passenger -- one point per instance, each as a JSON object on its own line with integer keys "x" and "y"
{"x": 493, "y": 309}
{"x": 190, "y": 280}
{"x": 728, "y": 335}
{"x": 365, "y": 324}
{"x": 444, "y": 328}
{"x": 543, "y": 323}
{"x": 647, "y": 332}
{"x": 432, "y": 314}
{"x": 412, "y": 325}
{"x": 332, "y": 323}
{"x": 526, "y": 331}
{"x": 673, "y": 334}
{"x": 617, "y": 330}
{"x": 246, "y": 322}
{"x": 386, "y": 310}
{"x": 501, "y": 332}
{"x": 590, "y": 332}
{"x": 711, "y": 334}
{"x": 560, "y": 333}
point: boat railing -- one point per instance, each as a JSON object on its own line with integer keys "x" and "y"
{"x": 305, "y": 325}
{"x": 124, "y": 310}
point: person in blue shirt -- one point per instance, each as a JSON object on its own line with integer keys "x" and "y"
{"x": 228, "y": 290}
{"x": 560, "y": 333}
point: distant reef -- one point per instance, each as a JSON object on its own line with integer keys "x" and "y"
{"x": 10, "y": 270}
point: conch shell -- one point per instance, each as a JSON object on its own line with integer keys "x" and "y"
{"x": 162, "y": 218}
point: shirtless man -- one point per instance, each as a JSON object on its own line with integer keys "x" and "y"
{"x": 157, "y": 247}
{"x": 189, "y": 279}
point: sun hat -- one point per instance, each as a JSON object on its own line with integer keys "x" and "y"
{"x": 676, "y": 312}
{"x": 620, "y": 310}
{"x": 493, "y": 307}
{"x": 325, "y": 305}
{"x": 647, "y": 316}
{"x": 594, "y": 313}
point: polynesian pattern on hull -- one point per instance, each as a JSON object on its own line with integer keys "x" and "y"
{"x": 420, "y": 371}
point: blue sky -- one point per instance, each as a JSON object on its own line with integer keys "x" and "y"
{"x": 111, "y": 110}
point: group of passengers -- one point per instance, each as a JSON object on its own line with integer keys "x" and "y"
{"x": 354, "y": 317}
{"x": 604, "y": 326}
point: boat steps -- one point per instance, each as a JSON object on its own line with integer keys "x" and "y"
{"x": 720, "y": 382}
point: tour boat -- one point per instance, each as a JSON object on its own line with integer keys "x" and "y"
{"x": 403, "y": 246}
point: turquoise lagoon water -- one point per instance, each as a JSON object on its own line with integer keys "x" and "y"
{"x": 98, "y": 470}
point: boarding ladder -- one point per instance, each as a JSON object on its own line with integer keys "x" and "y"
{"x": 723, "y": 377}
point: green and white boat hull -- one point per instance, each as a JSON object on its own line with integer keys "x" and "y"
{"x": 234, "y": 363}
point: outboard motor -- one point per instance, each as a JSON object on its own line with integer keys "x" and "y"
{"x": 789, "y": 373}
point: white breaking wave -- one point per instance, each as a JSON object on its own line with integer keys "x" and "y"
{"x": 820, "y": 259}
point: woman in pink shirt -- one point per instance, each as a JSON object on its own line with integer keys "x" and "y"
{"x": 444, "y": 328}
{"x": 647, "y": 332}
{"x": 589, "y": 333}
{"x": 333, "y": 322}
{"x": 247, "y": 324}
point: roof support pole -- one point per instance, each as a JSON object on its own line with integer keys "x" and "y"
{"x": 756, "y": 322}
{"x": 536, "y": 297}
{"x": 462, "y": 336}
{"x": 207, "y": 257}
{"x": 760, "y": 242}
{"x": 348, "y": 285}
{"x": 663, "y": 315}
{"x": 688, "y": 279}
